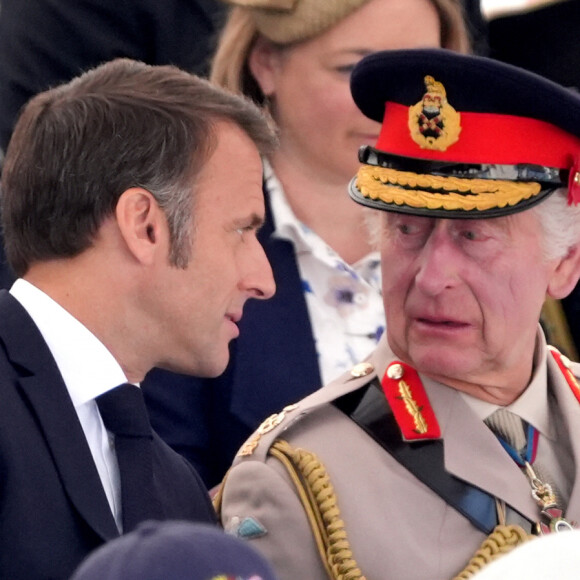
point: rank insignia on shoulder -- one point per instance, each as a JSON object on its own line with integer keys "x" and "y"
{"x": 247, "y": 528}
{"x": 433, "y": 122}
{"x": 267, "y": 425}
{"x": 411, "y": 407}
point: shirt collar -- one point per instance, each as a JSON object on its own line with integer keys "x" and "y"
{"x": 532, "y": 405}
{"x": 87, "y": 367}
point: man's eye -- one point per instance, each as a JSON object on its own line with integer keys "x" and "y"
{"x": 408, "y": 229}
{"x": 475, "y": 235}
{"x": 245, "y": 230}
{"x": 345, "y": 69}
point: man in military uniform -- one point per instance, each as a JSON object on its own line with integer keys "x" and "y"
{"x": 408, "y": 464}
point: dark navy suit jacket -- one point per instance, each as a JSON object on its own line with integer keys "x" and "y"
{"x": 53, "y": 508}
{"x": 273, "y": 363}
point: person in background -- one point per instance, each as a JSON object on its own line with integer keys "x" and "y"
{"x": 459, "y": 437}
{"x": 295, "y": 58}
{"x": 133, "y": 249}
{"x": 175, "y": 550}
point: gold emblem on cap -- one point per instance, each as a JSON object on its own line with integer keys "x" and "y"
{"x": 362, "y": 370}
{"x": 433, "y": 122}
{"x": 395, "y": 371}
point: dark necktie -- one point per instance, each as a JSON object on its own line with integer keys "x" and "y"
{"x": 124, "y": 414}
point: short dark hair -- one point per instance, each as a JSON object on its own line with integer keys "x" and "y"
{"x": 77, "y": 147}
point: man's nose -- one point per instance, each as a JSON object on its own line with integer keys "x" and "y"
{"x": 438, "y": 262}
{"x": 259, "y": 280}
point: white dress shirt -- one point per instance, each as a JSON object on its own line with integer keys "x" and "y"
{"x": 88, "y": 370}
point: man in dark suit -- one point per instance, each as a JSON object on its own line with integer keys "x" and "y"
{"x": 207, "y": 420}
{"x": 133, "y": 249}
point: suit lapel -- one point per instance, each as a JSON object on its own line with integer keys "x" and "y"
{"x": 49, "y": 400}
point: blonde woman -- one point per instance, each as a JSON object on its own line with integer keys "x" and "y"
{"x": 295, "y": 57}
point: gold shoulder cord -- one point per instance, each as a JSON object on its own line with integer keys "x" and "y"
{"x": 318, "y": 498}
{"x": 320, "y": 505}
{"x": 502, "y": 540}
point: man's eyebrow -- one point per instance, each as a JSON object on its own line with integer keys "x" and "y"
{"x": 253, "y": 221}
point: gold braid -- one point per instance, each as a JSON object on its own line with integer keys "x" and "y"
{"x": 320, "y": 504}
{"x": 316, "y": 493}
{"x": 502, "y": 540}
{"x": 436, "y": 192}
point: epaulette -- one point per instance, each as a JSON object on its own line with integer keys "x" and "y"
{"x": 261, "y": 440}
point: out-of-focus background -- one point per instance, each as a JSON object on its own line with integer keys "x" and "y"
{"x": 492, "y": 8}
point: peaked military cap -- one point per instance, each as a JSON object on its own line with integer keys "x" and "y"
{"x": 463, "y": 136}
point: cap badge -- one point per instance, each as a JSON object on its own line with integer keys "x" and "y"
{"x": 433, "y": 122}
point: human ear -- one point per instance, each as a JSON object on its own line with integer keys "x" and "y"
{"x": 141, "y": 223}
{"x": 566, "y": 275}
{"x": 264, "y": 64}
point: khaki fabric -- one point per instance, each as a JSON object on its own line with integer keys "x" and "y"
{"x": 397, "y": 527}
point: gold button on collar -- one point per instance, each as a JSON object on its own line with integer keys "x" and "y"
{"x": 395, "y": 371}
{"x": 362, "y": 369}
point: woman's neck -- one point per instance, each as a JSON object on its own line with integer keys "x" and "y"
{"x": 323, "y": 204}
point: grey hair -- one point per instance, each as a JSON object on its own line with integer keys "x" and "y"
{"x": 560, "y": 224}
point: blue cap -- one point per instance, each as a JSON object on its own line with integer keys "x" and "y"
{"x": 463, "y": 136}
{"x": 176, "y": 550}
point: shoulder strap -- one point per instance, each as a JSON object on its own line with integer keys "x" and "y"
{"x": 369, "y": 409}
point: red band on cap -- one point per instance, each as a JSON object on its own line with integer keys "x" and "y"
{"x": 485, "y": 138}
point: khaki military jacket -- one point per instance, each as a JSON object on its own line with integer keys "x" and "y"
{"x": 397, "y": 527}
